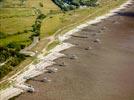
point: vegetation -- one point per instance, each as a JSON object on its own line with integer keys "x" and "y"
{"x": 62, "y": 22}
{"x": 16, "y": 33}
{"x": 4, "y": 85}
{"x": 37, "y": 25}
{"x": 73, "y": 4}
{"x": 11, "y": 56}
{"x": 52, "y": 45}
{"x": 2, "y": 35}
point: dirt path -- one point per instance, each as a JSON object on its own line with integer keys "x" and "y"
{"x": 105, "y": 71}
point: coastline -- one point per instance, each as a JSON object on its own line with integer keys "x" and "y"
{"x": 54, "y": 53}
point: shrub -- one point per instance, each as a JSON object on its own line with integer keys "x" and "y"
{"x": 5, "y": 69}
{"x": 18, "y": 32}
{"x": 12, "y": 57}
{"x": 66, "y": 5}
{"x": 2, "y": 35}
{"x": 41, "y": 4}
{"x": 25, "y": 31}
{"x": 14, "y": 45}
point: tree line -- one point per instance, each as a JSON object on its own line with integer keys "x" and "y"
{"x": 66, "y": 5}
{"x": 12, "y": 57}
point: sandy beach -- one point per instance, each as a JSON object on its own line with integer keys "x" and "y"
{"x": 103, "y": 66}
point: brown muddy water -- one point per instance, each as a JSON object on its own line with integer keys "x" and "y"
{"x": 105, "y": 71}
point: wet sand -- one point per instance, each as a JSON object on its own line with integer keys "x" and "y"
{"x": 105, "y": 71}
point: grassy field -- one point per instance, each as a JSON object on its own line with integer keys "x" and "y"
{"x": 73, "y": 18}
{"x": 17, "y": 19}
{"x": 14, "y": 25}
{"x": 21, "y": 38}
{"x": 48, "y": 5}
{"x": 11, "y": 26}
{"x": 13, "y": 20}
{"x": 15, "y": 12}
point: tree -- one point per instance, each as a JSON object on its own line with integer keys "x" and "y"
{"x": 2, "y": 35}
{"x": 66, "y": 5}
{"x": 41, "y": 4}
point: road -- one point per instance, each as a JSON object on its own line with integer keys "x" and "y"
{"x": 103, "y": 69}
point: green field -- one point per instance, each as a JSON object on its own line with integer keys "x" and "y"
{"x": 13, "y": 20}
{"x": 18, "y": 19}
{"x": 16, "y": 30}
{"x": 68, "y": 20}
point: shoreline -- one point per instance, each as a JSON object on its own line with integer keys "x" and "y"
{"x": 93, "y": 70}
{"x": 11, "y": 92}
